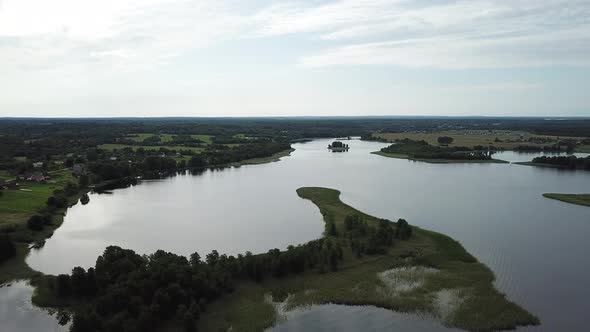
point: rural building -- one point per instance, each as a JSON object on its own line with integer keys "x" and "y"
{"x": 37, "y": 177}
{"x": 38, "y": 164}
{"x": 79, "y": 169}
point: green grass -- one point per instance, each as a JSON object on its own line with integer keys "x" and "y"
{"x": 480, "y": 307}
{"x": 141, "y": 136}
{"x": 579, "y": 199}
{"x": 439, "y": 161}
{"x": 509, "y": 139}
{"x": 149, "y": 147}
{"x": 207, "y": 139}
{"x": 16, "y": 206}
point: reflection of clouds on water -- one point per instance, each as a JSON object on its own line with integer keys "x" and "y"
{"x": 18, "y": 314}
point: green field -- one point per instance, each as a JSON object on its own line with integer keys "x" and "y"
{"x": 207, "y": 139}
{"x": 448, "y": 283}
{"x": 579, "y": 199}
{"x": 439, "y": 161}
{"x": 470, "y": 138}
{"x": 178, "y": 148}
{"x": 16, "y": 206}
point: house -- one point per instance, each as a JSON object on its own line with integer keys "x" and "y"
{"x": 38, "y": 164}
{"x": 79, "y": 169}
{"x": 36, "y": 177}
{"x": 113, "y": 158}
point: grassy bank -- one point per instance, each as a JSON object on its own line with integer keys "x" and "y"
{"x": 439, "y": 161}
{"x": 445, "y": 282}
{"x": 111, "y": 147}
{"x": 579, "y": 199}
{"x": 16, "y": 207}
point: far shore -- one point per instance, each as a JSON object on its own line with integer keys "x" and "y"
{"x": 440, "y": 161}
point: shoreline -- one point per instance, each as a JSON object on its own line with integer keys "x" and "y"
{"x": 16, "y": 268}
{"x": 439, "y": 161}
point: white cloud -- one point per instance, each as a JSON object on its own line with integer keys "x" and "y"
{"x": 73, "y": 53}
{"x": 451, "y": 34}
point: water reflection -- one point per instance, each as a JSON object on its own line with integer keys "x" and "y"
{"x": 332, "y": 317}
{"x": 17, "y": 313}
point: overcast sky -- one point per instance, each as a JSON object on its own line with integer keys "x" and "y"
{"x": 79, "y": 58}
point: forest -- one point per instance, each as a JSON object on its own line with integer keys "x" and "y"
{"x": 568, "y": 162}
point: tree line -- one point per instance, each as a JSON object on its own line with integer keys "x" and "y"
{"x": 569, "y": 162}
{"x": 423, "y": 150}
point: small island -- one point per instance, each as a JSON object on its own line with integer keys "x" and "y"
{"x": 578, "y": 199}
{"x": 422, "y": 151}
{"x": 338, "y": 146}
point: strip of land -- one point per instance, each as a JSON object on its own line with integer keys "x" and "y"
{"x": 257, "y": 161}
{"x": 439, "y": 161}
{"x": 427, "y": 273}
{"x": 501, "y": 139}
{"x": 579, "y": 199}
{"x": 530, "y": 163}
{"x": 423, "y": 151}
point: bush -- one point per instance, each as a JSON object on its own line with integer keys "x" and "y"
{"x": 57, "y": 201}
{"x": 445, "y": 140}
{"x": 7, "y": 248}
{"x": 36, "y": 222}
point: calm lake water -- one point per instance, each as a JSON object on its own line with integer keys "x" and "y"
{"x": 17, "y": 313}
{"x": 535, "y": 246}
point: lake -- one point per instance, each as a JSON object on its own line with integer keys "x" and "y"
{"x": 535, "y": 246}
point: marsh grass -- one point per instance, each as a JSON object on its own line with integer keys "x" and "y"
{"x": 579, "y": 199}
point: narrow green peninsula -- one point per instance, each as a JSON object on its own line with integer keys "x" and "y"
{"x": 579, "y": 199}
{"x": 422, "y": 151}
{"x": 426, "y": 272}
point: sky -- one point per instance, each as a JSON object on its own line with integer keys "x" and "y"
{"x": 82, "y": 58}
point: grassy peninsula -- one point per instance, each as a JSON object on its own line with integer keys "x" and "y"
{"x": 579, "y": 199}
{"x": 446, "y": 282}
{"x": 423, "y": 151}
